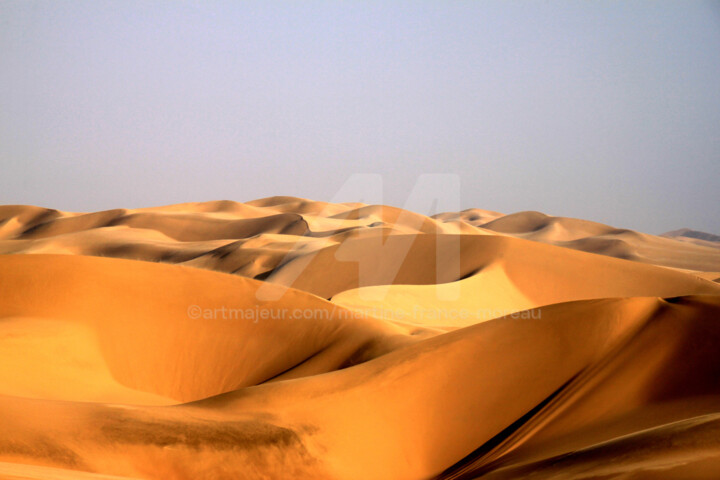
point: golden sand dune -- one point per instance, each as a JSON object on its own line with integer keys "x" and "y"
{"x": 183, "y": 232}
{"x": 598, "y": 238}
{"x": 528, "y": 276}
{"x": 543, "y": 274}
{"x": 286, "y": 338}
{"x": 475, "y": 394}
{"x": 172, "y": 331}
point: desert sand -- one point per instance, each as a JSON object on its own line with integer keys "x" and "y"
{"x": 288, "y": 338}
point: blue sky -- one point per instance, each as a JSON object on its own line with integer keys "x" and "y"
{"x": 608, "y": 111}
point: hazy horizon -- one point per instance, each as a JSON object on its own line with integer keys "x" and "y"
{"x": 605, "y": 111}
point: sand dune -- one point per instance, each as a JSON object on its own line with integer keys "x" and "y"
{"x": 191, "y": 230}
{"x": 694, "y": 235}
{"x": 542, "y": 271}
{"x": 288, "y": 338}
{"x": 375, "y": 420}
{"x": 516, "y": 276}
{"x": 471, "y": 216}
{"x": 544, "y": 227}
{"x": 154, "y": 324}
{"x": 598, "y": 238}
{"x": 669, "y": 451}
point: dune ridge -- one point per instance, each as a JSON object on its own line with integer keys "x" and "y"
{"x": 194, "y": 231}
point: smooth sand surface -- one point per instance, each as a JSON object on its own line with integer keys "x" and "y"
{"x": 287, "y": 338}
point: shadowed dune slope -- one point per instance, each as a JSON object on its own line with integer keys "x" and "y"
{"x": 683, "y": 450}
{"x": 665, "y": 373}
{"x": 471, "y": 216}
{"x": 598, "y": 238}
{"x": 192, "y": 230}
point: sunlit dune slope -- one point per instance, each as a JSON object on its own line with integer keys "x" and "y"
{"x": 413, "y": 412}
{"x": 603, "y": 239}
{"x": 172, "y": 331}
{"x": 543, "y": 273}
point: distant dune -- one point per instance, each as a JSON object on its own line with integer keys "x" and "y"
{"x": 694, "y": 236}
{"x": 287, "y": 338}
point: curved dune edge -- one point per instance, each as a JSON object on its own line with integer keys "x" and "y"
{"x": 507, "y": 275}
{"x": 222, "y": 235}
{"x": 409, "y": 414}
{"x": 171, "y": 331}
{"x": 680, "y": 450}
{"x": 445, "y": 258}
{"x": 662, "y": 375}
